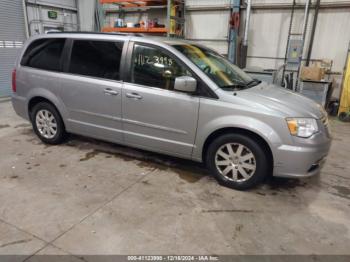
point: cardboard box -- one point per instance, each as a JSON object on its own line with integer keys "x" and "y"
{"x": 312, "y": 73}
{"x": 326, "y": 64}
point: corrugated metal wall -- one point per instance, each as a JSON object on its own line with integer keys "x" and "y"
{"x": 13, "y": 29}
{"x": 12, "y": 35}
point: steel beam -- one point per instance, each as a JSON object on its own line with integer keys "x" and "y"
{"x": 233, "y": 34}
{"x": 279, "y": 6}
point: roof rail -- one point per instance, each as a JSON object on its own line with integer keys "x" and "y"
{"x": 95, "y": 33}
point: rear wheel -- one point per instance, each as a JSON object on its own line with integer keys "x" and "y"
{"x": 237, "y": 161}
{"x": 47, "y": 123}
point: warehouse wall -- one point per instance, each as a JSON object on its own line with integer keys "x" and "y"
{"x": 86, "y": 13}
{"x": 205, "y": 25}
{"x": 12, "y": 36}
{"x": 269, "y": 29}
{"x": 39, "y": 22}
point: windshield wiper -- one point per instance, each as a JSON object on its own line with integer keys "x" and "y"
{"x": 254, "y": 81}
{"x": 234, "y": 87}
{"x": 242, "y": 85}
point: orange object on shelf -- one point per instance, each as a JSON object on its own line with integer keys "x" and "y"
{"x": 134, "y": 3}
{"x": 162, "y": 30}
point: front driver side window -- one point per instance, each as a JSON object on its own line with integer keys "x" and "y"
{"x": 153, "y": 67}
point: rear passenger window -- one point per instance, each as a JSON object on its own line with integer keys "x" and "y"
{"x": 44, "y": 54}
{"x": 96, "y": 58}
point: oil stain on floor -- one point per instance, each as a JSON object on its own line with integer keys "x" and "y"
{"x": 89, "y": 155}
{"x": 342, "y": 191}
{"x": 186, "y": 170}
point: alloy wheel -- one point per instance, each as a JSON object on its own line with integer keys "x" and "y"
{"x": 46, "y": 123}
{"x": 235, "y": 162}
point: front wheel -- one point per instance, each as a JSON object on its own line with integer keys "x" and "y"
{"x": 237, "y": 161}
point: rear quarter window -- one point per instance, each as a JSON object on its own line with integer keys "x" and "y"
{"x": 44, "y": 54}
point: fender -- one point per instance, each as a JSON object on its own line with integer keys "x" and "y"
{"x": 47, "y": 94}
{"x": 243, "y": 122}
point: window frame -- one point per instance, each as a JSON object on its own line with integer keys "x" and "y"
{"x": 202, "y": 89}
{"x": 24, "y": 60}
{"x": 68, "y": 55}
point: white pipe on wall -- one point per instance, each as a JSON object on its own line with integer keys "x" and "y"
{"x": 306, "y": 16}
{"x": 25, "y": 18}
{"x": 246, "y": 29}
{"x": 86, "y": 14}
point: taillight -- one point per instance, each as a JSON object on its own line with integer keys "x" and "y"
{"x": 14, "y": 81}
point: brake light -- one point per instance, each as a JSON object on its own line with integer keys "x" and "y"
{"x": 14, "y": 81}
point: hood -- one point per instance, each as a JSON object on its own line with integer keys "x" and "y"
{"x": 288, "y": 103}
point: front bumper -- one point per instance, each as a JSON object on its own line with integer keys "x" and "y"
{"x": 304, "y": 159}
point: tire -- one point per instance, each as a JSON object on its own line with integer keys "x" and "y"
{"x": 242, "y": 172}
{"x": 41, "y": 117}
{"x": 344, "y": 117}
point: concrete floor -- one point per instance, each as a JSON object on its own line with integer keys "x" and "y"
{"x": 91, "y": 197}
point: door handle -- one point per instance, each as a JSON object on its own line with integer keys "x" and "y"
{"x": 110, "y": 92}
{"x": 133, "y": 95}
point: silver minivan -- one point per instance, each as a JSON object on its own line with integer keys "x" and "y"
{"x": 168, "y": 96}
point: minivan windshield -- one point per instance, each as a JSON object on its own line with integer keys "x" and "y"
{"x": 225, "y": 74}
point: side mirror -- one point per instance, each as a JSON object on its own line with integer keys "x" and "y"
{"x": 185, "y": 84}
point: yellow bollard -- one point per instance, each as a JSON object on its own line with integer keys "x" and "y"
{"x": 344, "y": 106}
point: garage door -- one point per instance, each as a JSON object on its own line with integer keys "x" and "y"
{"x": 12, "y": 36}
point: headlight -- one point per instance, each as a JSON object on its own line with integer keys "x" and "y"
{"x": 302, "y": 127}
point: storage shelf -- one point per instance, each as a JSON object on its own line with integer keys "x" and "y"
{"x": 134, "y": 3}
{"x": 174, "y": 12}
{"x": 155, "y": 30}
{"x": 136, "y": 9}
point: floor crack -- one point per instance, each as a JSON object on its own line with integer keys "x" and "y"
{"x": 89, "y": 215}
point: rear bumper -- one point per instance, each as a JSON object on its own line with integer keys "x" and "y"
{"x": 302, "y": 160}
{"x": 20, "y": 106}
